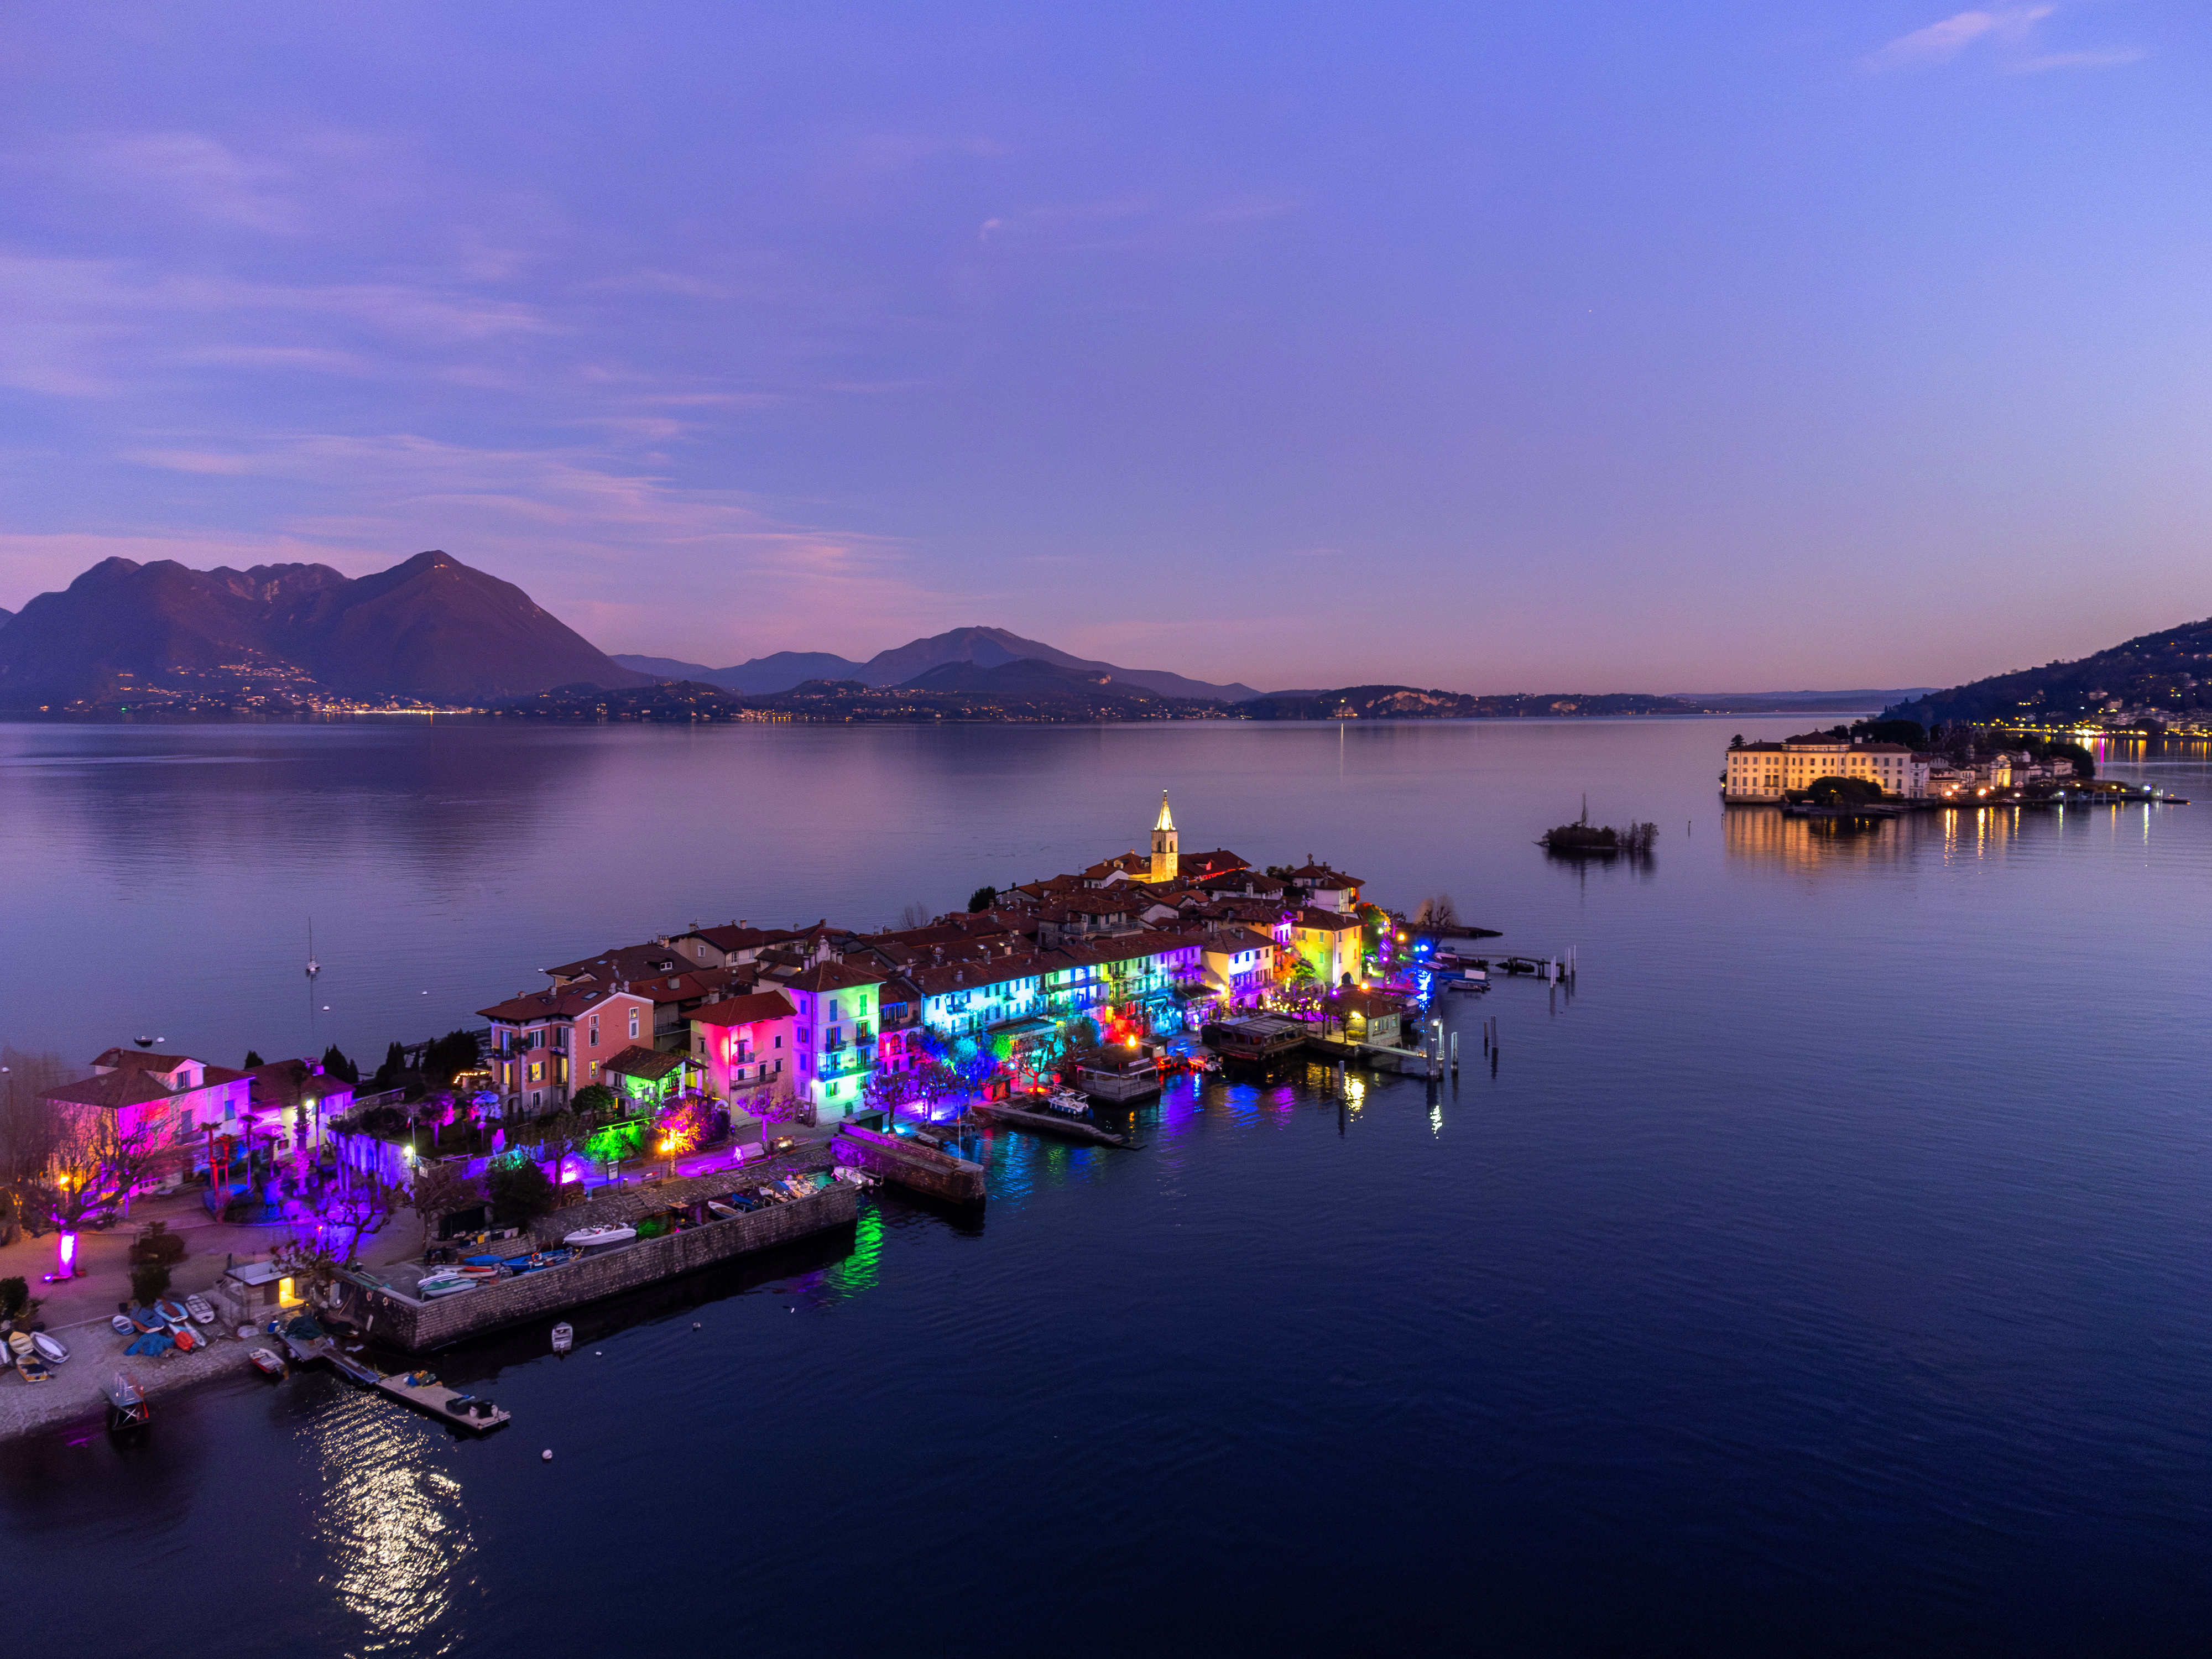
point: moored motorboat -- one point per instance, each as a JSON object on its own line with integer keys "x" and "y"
{"x": 197, "y": 1307}
{"x": 51, "y": 1349}
{"x": 267, "y": 1363}
{"x": 587, "y": 1238}
{"x": 564, "y": 1337}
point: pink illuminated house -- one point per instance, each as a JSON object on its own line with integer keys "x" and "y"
{"x": 747, "y": 1043}
{"x": 169, "y": 1100}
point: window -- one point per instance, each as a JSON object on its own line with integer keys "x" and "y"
{"x": 595, "y": 1031}
{"x": 633, "y": 1025}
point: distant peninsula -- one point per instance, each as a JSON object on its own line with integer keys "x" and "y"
{"x": 2162, "y": 679}
{"x": 1028, "y": 690}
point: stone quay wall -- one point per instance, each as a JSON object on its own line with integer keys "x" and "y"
{"x": 390, "y": 1316}
{"x": 940, "y": 1174}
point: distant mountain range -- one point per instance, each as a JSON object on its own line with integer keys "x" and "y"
{"x": 2150, "y": 677}
{"x": 152, "y": 635}
{"x": 984, "y": 648}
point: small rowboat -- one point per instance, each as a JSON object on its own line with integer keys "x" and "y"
{"x": 123, "y": 1326}
{"x": 187, "y": 1339}
{"x": 32, "y": 1369}
{"x": 267, "y": 1363}
{"x": 197, "y": 1306}
{"x": 145, "y": 1320}
{"x": 18, "y": 1344}
{"x": 435, "y": 1288}
{"x": 173, "y": 1311}
{"x": 589, "y": 1238}
{"x": 50, "y": 1348}
{"x": 126, "y": 1402}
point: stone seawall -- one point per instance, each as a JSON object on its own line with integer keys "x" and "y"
{"x": 937, "y": 1174}
{"x": 388, "y": 1317}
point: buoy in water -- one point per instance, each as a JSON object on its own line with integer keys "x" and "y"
{"x": 546, "y": 1456}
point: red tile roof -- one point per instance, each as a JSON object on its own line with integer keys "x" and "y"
{"x": 639, "y": 1061}
{"x": 139, "y": 1060}
{"x": 111, "y": 1089}
{"x": 565, "y": 1003}
{"x": 834, "y": 976}
{"x": 748, "y": 1010}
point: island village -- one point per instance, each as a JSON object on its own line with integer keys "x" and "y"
{"x": 656, "y": 1107}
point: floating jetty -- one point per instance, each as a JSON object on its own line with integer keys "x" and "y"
{"x": 1051, "y": 1123}
{"x": 906, "y": 1164}
{"x": 419, "y": 1390}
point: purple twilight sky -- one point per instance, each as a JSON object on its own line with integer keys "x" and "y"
{"x": 1533, "y": 346}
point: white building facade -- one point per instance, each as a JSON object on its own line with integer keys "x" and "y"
{"x": 1765, "y": 771}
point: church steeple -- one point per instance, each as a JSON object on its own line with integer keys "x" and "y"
{"x": 1164, "y": 844}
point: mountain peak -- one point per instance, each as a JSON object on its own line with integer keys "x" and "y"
{"x": 429, "y": 627}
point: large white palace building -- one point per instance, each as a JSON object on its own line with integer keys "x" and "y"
{"x": 1762, "y": 771}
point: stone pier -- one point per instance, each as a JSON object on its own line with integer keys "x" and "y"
{"x": 389, "y": 1314}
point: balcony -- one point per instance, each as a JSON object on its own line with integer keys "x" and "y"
{"x": 843, "y": 1061}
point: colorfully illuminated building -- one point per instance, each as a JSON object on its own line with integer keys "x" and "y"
{"x": 746, "y": 1043}
{"x": 648, "y": 1078}
{"x": 834, "y": 1033}
{"x": 547, "y": 1044}
{"x": 1331, "y": 943}
{"x": 161, "y": 1101}
{"x": 1240, "y": 963}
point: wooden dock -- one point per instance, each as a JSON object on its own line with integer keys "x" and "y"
{"x": 449, "y": 1406}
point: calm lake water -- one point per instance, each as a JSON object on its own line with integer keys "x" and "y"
{"x": 1830, "y": 1274}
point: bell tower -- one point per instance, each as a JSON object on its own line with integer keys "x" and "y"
{"x": 1164, "y": 844}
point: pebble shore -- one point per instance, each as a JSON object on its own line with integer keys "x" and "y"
{"x": 78, "y": 1393}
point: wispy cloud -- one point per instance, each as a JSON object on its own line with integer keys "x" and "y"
{"x": 1939, "y": 43}
{"x": 190, "y": 172}
{"x": 90, "y": 327}
{"x": 2108, "y": 58}
{"x": 2008, "y": 33}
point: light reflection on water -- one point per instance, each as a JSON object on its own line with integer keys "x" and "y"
{"x": 1829, "y": 1270}
{"x": 392, "y": 1518}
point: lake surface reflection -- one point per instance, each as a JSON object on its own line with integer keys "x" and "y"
{"x": 1828, "y": 1274}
